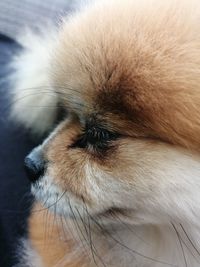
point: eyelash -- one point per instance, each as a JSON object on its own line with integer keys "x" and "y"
{"x": 98, "y": 138}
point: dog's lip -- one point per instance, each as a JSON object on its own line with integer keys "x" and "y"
{"x": 113, "y": 212}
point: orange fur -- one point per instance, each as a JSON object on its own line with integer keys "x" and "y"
{"x": 49, "y": 239}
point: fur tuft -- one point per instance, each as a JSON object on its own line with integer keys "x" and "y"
{"x": 34, "y": 102}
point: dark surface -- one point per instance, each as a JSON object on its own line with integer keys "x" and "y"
{"x": 14, "y": 186}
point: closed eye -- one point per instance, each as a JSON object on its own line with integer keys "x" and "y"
{"x": 96, "y": 137}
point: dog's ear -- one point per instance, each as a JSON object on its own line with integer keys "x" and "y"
{"x": 33, "y": 100}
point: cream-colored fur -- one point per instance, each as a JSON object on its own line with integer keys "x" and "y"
{"x": 34, "y": 101}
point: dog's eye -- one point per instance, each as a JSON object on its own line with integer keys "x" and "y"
{"x": 98, "y": 138}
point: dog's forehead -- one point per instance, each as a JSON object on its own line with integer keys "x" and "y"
{"x": 90, "y": 93}
{"x": 100, "y": 104}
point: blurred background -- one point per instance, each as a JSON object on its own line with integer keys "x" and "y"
{"x": 15, "y": 143}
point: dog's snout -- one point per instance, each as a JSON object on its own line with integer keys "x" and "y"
{"x": 34, "y": 166}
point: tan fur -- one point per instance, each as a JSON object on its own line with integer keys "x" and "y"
{"x": 138, "y": 61}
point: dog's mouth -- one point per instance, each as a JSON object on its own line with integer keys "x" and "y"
{"x": 112, "y": 219}
{"x": 114, "y": 212}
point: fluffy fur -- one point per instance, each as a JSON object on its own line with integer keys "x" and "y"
{"x": 122, "y": 171}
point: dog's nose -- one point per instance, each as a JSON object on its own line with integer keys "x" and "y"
{"x": 34, "y": 166}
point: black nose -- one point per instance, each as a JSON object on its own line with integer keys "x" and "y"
{"x": 34, "y": 169}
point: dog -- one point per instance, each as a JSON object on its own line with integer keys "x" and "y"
{"x": 117, "y": 180}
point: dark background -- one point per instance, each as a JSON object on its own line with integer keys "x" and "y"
{"x": 15, "y": 144}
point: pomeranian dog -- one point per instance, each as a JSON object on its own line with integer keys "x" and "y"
{"x": 117, "y": 182}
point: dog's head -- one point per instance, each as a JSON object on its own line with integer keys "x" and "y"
{"x": 130, "y": 85}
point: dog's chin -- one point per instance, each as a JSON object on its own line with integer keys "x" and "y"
{"x": 52, "y": 198}
{"x": 62, "y": 203}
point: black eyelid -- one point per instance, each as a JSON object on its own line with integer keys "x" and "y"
{"x": 98, "y": 132}
{"x": 96, "y": 136}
